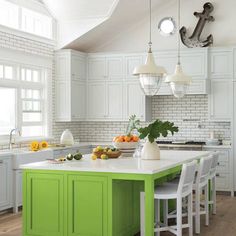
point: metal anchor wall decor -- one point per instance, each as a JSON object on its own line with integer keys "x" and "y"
{"x": 194, "y": 39}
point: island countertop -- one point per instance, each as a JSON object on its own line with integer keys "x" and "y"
{"x": 169, "y": 159}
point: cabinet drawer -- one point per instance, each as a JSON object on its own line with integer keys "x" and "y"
{"x": 222, "y": 181}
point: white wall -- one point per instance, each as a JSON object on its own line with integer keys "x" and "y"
{"x": 136, "y": 38}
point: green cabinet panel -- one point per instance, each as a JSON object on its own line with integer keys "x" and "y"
{"x": 43, "y": 203}
{"x": 87, "y": 205}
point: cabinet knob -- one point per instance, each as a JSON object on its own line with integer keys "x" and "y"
{"x": 217, "y": 175}
{"x": 1, "y": 162}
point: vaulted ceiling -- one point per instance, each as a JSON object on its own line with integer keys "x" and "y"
{"x": 82, "y": 23}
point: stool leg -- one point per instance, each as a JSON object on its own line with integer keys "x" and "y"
{"x": 165, "y": 212}
{"x": 179, "y": 216}
{"x": 142, "y": 214}
{"x": 207, "y": 204}
{"x": 214, "y": 194}
{"x": 197, "y": 211}
{"x": 158, "y": 216}
{"x": 190, "y": 214}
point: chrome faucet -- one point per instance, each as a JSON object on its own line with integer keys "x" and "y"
{"x": 11, "y": 132}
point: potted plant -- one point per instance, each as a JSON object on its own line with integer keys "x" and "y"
{"x": 153, "y": 131}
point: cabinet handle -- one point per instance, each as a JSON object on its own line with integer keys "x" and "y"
{"x": 1, "y": 162}
{"x": 218, "y": 163}
{"x": 218, "y": 175}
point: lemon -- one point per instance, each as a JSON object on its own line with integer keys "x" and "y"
{"x": 104, "y": 157}
{"x": 94, "y": 157}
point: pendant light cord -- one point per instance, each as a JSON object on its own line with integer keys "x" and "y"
{"x": 178, "y": 27}
{"x": 150, "y": 26}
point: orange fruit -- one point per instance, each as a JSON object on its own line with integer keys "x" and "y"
{"x": 120, "y": 139}
{"x": 127, "y": 138}
{"x": 135, "y": 138}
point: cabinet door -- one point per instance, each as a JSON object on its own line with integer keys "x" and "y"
{"x": 78, "y": 67}
{"x": 97, "y": 68}
{"x": 44, "y": 204}
{"x": 114, "y": 68}
{"x": 5, "y": 183}
{"x": 220, "y": 100}
{"x": 114, "y": 100}
{"x": 62, "y": 67}
{"x": 96, "y": 101}
{"x": 130, "y": 63}
{"x": 78, "y": 101}
{"x": 199, "y": 86}
{"x": 62, "y": 100}
{"x": 221, "y": 64}
{"x": 87, "y": 206}
{"x": 135, "y": 101}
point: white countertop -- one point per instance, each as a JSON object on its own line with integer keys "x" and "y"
{"x": 169, "y": 159}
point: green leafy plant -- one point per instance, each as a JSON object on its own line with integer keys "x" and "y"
{"x": 133, "y": 124}
{"x": 156, "y": 129}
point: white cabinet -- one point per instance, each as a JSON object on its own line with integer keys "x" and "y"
{"x": 220, "y": 100}
{"x": 131, "y": 61}
{"x": 135, "y": 102}
{"x": 224, "y": 172}
{"x": 70, "y": 86}
{"x": 114, "y": 100}
{"x": 221, "y": 63}
{"x": 5, "y": 182}
{"x": 96, "y": 100}
{"x": 105, "y": 100}
{"x": 105, "y": 67}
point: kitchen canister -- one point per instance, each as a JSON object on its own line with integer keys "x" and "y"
{"x": 67, "y": 138}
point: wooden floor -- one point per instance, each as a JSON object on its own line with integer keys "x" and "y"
{"x": 224, "y": 223}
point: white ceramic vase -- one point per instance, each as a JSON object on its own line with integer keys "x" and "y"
{"x": 150, "y": 151}
{"x": 67, "y": 138}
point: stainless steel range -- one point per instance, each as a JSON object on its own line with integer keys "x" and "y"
{"x": 181, "y": 145}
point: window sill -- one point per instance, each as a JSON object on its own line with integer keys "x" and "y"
{"x": 25, "y": 140}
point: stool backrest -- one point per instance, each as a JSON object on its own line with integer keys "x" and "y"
{"x": 187, "y": 177}
{"x": 214, "y": 163}
{"x": 204, "y": 170}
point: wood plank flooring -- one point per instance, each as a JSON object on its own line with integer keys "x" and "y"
{"x": 224, "y": 223}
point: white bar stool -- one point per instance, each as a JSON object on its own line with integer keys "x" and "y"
{"x": 212, "y": 179}
{"x": 178, "y": 191}
{"x": 200, "y": 184}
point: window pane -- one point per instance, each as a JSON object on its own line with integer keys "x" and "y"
{"x": 27, "y": 106}
{"x": 36, "y": 94}
{"x": 32, "y": 131}
{"x": 7, "y": 108}
{"x": 22, "y": 74}
{"x": 35, "y": 76}
{"x": 28, "y": 75}
{"x": 32, "y": 117}
{"x": 8, "y": 72}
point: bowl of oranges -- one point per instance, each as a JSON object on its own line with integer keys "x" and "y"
{"x": 127, "y": 144}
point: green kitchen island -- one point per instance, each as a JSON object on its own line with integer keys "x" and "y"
{"x": 95, "y": 198}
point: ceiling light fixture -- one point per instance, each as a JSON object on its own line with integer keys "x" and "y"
{"x": 179, "y": 82}
{"x": 150, "y": 75}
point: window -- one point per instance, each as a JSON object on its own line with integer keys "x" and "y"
{"x": 8, "y": 110}
{"x": 22, "y": 99}
{"x": 17, "y": 17}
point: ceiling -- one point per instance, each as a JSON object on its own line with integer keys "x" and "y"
{"x": 83, "y": 23}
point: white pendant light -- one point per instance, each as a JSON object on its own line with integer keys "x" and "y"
{"x": 179, "y": 82}
{"x": 150, "y": 75}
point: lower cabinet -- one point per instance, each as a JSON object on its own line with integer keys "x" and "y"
{"x": 44, "y": 204}
{"x": 224, "y": 174}
{"x": 5, "y": 183}
{"x": 87, "y": 205}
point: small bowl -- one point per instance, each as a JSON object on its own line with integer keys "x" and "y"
{"x": 127, "y": 148}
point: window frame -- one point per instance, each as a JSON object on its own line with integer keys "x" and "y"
{"x": 30, "y": 35}
{"x": 45, "y": 85}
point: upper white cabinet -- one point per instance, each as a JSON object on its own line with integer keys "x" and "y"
{"x": 221, "y": 65}
{"x": 5, "y": 182}
{"x": 70, "y": 86}
{"x": 131, "y": 61}
{"x": 105, "y": 67}
{"x": 220, "y": 100}
{"x": 135, "y": 102}
{"x": 221, "y": 75}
